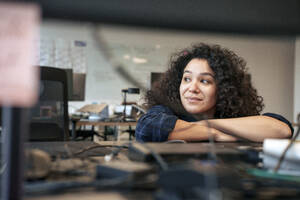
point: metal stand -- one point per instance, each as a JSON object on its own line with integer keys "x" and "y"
{"x": 15, "y": 128}
{"x": 124, "y": 102}
{"x": 129, "y": 91}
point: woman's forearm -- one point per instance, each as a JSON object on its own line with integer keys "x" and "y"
{"x": 253, "y": 128}
{"x": 189, "y": 131}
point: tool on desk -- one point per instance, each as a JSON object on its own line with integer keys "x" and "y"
{"x": 138, "y": 151}
{"x": 117, "y": 168}
{"x": 38, "y": 164}
{"x": 95, "y": 111}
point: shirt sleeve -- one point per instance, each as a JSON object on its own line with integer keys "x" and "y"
{"x": 155, "y": 125}
{"x": 281, "y": 118}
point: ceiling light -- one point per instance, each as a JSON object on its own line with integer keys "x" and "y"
{"x": 139, "y": 60}
{"x": 126, "y": 56}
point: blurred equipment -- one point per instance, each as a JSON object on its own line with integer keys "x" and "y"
{"x": 49, "y": 118}
{"x": 140, "y": 152}
{"x": 113, "y": 169}
{"x": 38, "y": 164}
{"x": 273, "y": 150}
{"x": 95, "y": 111}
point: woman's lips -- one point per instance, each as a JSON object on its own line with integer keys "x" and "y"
{"x": 193, "y": 99}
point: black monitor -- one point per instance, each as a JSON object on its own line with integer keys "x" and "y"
{"x": 49, "y": 117}
{"x": 76, "y": 85}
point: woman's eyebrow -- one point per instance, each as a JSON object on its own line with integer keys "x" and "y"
{"x": 200, "y": 74}
{"x": 187, "y": 71}
{"x": 207, "y": 73}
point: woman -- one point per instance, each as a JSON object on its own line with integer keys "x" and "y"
{"x": 205, "y": 93}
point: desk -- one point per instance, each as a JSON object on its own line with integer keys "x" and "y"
{"x": 78, "y": 123}
{"x": 103, "y": 123}
{"x": 236, "y": 185}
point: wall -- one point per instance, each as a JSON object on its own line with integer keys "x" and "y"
{"x": 270, "y": 60}
{"x": 297, "y": 80}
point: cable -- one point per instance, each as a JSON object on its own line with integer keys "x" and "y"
{"x": 212, "y": 150}
{"x": 55, "y": 187}
{"x": 163, "y": 165}
{"x": 114, "y": 153}
{"x": 139, "y": 108}
{"x": 3, "y": 167}
{"x": 211, "y": 180}
{"x": 175, "y": 141}
{"x": 89, "y": 148}
{"x": 116, "y": 65}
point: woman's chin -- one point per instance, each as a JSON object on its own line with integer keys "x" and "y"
{"x": 200, "y": 113}
{"x": 194, "y": 112}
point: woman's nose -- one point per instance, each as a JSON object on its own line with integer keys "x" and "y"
{"x": 194, "y": 87}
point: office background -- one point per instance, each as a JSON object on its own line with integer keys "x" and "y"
{"x": 272, "y": 61}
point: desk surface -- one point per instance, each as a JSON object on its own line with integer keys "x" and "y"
{"x": 103, "y": 123}
{"x": 237, "y": 185}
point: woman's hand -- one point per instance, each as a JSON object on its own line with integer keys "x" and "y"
{"x": 219, "y": 136}
{"x": 249, "y": 128}
{"x": 222, "y": 137}
{"x": 195, "y": 131}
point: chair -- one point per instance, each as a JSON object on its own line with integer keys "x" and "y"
{"x": 49, "y": 118}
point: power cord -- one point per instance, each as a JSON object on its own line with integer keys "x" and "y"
{"x": 211, "y": 180}
{"x": 42, "y": 187}
{"x": 92, "y": 147}
{"x": 160, "y": 161}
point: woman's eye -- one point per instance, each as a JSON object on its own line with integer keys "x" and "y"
{"x": 205, "y": 81}
{"x": 186, "y": 79}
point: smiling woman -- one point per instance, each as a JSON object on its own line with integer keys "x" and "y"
{"x": 207, "y": 82}
{"x": 198, "y": 90}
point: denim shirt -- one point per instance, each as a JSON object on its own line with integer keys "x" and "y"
{"x": 159, "y": 121}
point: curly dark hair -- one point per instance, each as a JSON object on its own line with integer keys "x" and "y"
{"x": 236, "y": 97}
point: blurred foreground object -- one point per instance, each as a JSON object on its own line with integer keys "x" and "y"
{"x": 38, "y": 164}
{"x": 19, "y": 78}
{"x": 273, "y": 149}
{"x": 246, "y": 16}
{"x": 18, "y": 38}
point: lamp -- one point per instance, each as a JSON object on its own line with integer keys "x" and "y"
{"x": 129, "y": 91}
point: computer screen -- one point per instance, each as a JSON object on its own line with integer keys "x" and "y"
{"x": 47, "y": 116}
{"x": 76, "y": 85}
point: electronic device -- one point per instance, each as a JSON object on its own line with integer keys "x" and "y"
{"x": 142, "y": 152}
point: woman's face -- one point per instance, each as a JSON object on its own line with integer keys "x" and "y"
{"x": 198, "y": 90}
